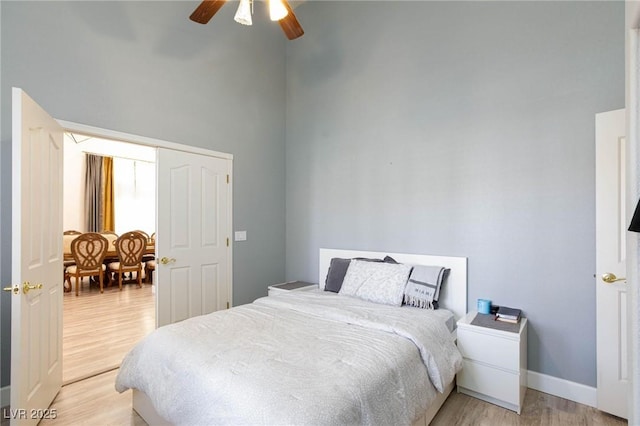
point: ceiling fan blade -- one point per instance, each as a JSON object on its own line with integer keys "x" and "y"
{"x": 205, "y": 11}
{"x": 290, "y": 25}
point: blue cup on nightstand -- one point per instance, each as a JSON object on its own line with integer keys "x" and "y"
{"x": 484, "y": 306}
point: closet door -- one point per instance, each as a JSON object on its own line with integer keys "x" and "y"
{"x": 193, "y": 249}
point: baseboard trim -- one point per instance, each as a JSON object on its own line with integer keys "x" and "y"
{"x": 5, "y": 394}
{"x": 572, "y": 391}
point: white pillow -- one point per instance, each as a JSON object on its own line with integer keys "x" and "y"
{"x": 376, "y": 281}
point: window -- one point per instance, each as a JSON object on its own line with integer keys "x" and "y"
{"x": 135, "y": 195}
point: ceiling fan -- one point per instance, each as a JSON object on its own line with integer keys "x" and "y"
{"x": 280, "y": 11}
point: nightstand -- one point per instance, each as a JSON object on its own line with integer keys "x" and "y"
{"x": 291, "y": 286}
{"x": 494, "y": 363}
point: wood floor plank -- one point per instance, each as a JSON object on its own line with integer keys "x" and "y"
{"x": 100, "y": 328}
{"x": 93, "y": 402}
{"x": 539, "y": 409}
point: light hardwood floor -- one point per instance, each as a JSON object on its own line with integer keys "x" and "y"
{"x": 94, "y": 402}
{"x": 539, "y": 409}
{"x": 99, "y": 329}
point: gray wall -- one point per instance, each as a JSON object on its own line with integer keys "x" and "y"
{"x": 429, "y": 127}
{"x": 144, "y": 68}
{"x": 462, "y": 129}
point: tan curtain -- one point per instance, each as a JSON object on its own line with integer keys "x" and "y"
{"x": 108, "y": 204}
{"x": 93, "y": 193}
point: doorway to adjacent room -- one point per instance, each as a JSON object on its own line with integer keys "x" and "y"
{"x": 100, "y": 328}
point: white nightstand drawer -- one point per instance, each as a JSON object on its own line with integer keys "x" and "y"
{"x": 487, "y": 380}
{"x": 495, "y": 362}
{"x": 484, "y": 347}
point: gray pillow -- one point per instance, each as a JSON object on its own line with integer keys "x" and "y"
{"x": 337, "y": 270}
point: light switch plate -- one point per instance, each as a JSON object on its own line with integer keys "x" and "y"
{"x": 241, "y": 235}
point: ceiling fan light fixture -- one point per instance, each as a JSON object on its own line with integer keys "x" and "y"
{"x": 243, "y": 14}
{"x": 277, "y": 10}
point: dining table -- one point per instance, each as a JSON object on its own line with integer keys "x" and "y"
{"x": 112, "y": 254}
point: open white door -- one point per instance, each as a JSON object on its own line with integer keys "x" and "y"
{"x": 36, "y": 305}
{"x": 193, "y": 272}
{"x": 611, "y": 286}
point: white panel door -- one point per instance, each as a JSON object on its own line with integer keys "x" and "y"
{"x": 611, "y": 287}
{"x": 36, "y": 305}
{"x": 192, "y": 241}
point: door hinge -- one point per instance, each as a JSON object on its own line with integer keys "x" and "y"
{"x": 227, "y": 178}
{"x": 227, "y": 241}
{"x": 227, "y": 305}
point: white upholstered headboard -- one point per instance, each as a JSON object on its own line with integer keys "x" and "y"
{"x": 453, "y": 295}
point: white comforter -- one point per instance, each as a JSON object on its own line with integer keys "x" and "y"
{"x": 299, "y": 358}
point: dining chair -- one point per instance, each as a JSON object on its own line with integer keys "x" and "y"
{"x": 130, "y": 247}
{"x": 67, "y": 239}
{"x": 111, "y": 253}
{"x": 142, "y": 232}
{"x": 150, "y": 240}
{"x": 150, "y": 264}
{"x": 71, "y": 232}
{"x": 145, "y": 257}
{"x": 88, "y": 251}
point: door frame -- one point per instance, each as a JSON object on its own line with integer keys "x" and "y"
{"x": 98, "y": 132}
{"x": 632, "y": 95}
{"x": 137, "y": 139}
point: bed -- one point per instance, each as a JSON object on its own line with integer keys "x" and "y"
{"x": 312, "y": 357}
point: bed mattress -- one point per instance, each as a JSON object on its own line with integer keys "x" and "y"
{"x": 298, "y": 358}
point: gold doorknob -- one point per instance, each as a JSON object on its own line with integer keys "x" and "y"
{"x": 167, "y": 260}
{"x": 15, "y": 289}
{"x": 26, "y": 287}
{"x": 611, "y": 278}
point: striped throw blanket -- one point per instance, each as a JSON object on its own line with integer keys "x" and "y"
{"x": 423, "y": 288}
